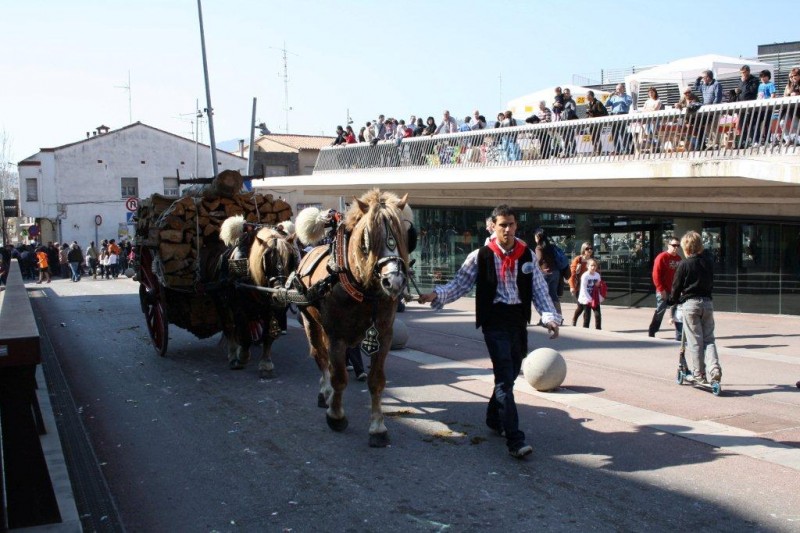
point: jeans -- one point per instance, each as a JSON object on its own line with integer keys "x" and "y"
{"x": 507, "y": 348}
{"x": 76, "y": 273}
{"x": 658, "y": 315}
{"x": 698, "y": 326}
{"x": 552, "y": 280}
{"x": 355, "y": 360}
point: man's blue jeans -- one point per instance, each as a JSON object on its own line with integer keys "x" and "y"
{"x": 507, "y": 348}
{"x": 76, "y": 274}
{"x": 658, "y": 315}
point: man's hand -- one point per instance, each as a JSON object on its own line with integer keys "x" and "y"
{"x": 427, "y": 298}
{"x": 552, "y": 327}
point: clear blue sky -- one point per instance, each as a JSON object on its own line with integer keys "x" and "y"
{"x": 62, "y": 61}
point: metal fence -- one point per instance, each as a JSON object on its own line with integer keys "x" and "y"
{"x": 761, "y": 127}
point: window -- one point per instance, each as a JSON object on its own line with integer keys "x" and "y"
{"x": 130, "y": 187}
{"x": 31, "y": 190}
{"x": 170, "y": 186}
{"x": 276, "y": 170}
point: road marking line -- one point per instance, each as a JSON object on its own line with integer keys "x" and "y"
{"x": 728, "y": 438}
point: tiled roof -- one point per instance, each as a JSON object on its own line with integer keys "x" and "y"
{"x": 299, "y": 142}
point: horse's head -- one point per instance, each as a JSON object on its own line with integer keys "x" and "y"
{"x": 272, "y": 258}
{"x": 378, "y": 246}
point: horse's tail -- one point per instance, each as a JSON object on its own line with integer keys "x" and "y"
{"x": 232, "y": 230}
{"x": 310, "y": 224}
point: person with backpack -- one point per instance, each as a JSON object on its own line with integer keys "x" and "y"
{"x": 548, "y": 256}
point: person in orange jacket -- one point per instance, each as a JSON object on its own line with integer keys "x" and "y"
{"x": 44, "y": 265}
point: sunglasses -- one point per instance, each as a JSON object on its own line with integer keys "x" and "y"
{"x": 674, "y": 244}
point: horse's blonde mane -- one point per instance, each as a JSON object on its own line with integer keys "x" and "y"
{"x": 268, "y": 237}
{"x": 384, "y": 208}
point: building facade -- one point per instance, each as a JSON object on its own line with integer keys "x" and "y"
{"x": 87, "y": 190}
{"x": 626, "y": 184}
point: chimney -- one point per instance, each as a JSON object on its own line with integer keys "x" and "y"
{"x": 241, "y": 147}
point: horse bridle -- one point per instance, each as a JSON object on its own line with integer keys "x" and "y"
{"x": 391, "y": 245}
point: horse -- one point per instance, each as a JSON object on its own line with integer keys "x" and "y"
{"x": 357, "y": 281}
{"x": 254, "y": 257}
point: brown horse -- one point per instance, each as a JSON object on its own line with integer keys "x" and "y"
{"x": 360, "y": 305}
{"x": 248, "y": 316}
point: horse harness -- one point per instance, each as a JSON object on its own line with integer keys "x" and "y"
{"x": 338, "y": 268}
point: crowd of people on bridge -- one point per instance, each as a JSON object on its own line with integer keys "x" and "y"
{"x": 753, "y": 129}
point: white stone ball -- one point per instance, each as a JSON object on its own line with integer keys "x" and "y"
{"x": 545, "y": 369}
{"x": 400, "y": 334}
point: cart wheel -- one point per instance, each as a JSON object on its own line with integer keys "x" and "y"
{"x": 153, "y": 302}
{"x": 716, "y": 388}
{"x": 680, "y": 377}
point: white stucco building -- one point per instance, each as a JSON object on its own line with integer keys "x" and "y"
{"x": 81, "y": 191}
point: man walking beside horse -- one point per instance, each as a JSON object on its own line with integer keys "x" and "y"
{"x": 508, "y": 281}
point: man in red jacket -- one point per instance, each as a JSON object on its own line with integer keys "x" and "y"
{"x": 663, "y": 271}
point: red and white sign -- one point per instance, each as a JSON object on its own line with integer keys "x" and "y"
{"x": 132, "y": 203}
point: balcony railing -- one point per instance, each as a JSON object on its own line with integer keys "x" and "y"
{"x": 761, "y": 127}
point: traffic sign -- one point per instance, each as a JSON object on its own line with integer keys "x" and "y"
{"x": 132, "y": 203}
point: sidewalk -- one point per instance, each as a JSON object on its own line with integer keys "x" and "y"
{"x": 621, "y": 374}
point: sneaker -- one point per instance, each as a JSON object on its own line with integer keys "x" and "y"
{"x": 700, "y": 379}
{"x": 284, "y": 332}
{"x": 522, "y": 451}
{"x": 715, "y": 375}
{"x": 362, "y": 376}
{"x": 349, "y": 368}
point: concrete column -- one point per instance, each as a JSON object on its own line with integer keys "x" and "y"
{"x": 584, "y": 230}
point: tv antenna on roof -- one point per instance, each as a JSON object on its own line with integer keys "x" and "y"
{"x": 127, "y": 88}
{"x": 286, "y": 107}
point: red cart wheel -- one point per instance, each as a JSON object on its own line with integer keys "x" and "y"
{"x": 153, "y": 301}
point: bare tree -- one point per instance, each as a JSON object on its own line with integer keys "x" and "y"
{"x": 9, "y": 180}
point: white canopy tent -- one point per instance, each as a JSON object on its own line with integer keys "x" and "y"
{"x": 684, "y": 72}
{"x": 524, "y": 106}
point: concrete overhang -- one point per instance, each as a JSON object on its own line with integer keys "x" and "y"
{"x": 764, "y": 187}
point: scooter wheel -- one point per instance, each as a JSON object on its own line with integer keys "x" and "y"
{"x": 679, "y": 377}
{"x": 716, "y": 388}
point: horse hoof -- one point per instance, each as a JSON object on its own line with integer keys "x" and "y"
{"x": 321, "y": 401}
{"x": 336, "y": 424}
{"x": 266, "y": 374}
{"x": 235, "y": 365}
{"x": 379, "y": 440}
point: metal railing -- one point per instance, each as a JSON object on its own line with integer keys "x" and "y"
{"x": 761, "y": 127}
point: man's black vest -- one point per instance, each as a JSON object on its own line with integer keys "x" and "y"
{"x": 486, "y": 285}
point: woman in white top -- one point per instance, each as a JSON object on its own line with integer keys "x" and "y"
{"x": 588, "y": 282}
{"x": 653, "y": 103}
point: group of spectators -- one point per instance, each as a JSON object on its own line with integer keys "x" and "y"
{"x": 40, "y": 262}
{"x": 706, "y": 91}
{"x": 392, "y": 129}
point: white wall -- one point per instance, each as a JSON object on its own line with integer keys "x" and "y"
{"x": 84, "y": 179}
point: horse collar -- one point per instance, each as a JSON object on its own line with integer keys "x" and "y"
{"x": 342, "y": 266}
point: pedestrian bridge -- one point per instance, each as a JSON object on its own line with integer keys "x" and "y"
{"x": 726, "y": 159}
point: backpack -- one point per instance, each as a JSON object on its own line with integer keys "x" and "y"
{"x": 560, "y": 258}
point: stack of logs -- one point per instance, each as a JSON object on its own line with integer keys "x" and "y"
{"x": 186, "y": 226}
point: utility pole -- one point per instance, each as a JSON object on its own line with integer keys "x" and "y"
{"x": 209, "y": 109}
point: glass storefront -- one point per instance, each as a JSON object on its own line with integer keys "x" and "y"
{"x": 757, "y": 263}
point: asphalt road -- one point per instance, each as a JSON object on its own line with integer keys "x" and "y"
{"x": 185, "y": 444}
